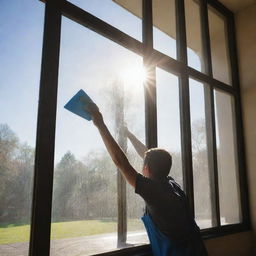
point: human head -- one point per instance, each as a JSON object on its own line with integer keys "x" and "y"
{"x": 157, "y": 163}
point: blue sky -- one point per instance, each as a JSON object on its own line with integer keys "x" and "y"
{"x": 88, "y": 61}
{"x": 21, "y": 27}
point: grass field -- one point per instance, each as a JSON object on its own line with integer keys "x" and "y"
{"x": 15, "y": 234}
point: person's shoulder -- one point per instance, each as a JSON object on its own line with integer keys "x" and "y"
{"x": 144, "y": 183}
{"x": 142, "y": 179}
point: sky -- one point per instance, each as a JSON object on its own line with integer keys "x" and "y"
{"x": 87, "y": 61}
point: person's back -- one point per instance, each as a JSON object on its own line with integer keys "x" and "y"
{"x": 167, "y": 206}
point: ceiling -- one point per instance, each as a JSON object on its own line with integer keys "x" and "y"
{"x": 233, "y": 5}
{"x": 237, "y": 5}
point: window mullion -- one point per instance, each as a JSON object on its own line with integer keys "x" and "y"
{"x": 150, "y": 84}
{"x": 187, "y": 165}
{"x": 181, "y": 31}
{"x": 212, "y": 153}
{"x": 184, "y": 104}
{"x": 45, "y": 140}
{"x": 206, "y": 38}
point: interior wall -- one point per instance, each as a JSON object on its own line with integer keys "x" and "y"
{"x": 246, "y": 43}
{"x": 239, "y": 244}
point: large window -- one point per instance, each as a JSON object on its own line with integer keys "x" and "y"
{"x": 189, "y": 104}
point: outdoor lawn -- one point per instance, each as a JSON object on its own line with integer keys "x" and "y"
{"x": 14, "y": 234}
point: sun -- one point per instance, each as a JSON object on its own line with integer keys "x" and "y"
{"x": 133, "y": 75}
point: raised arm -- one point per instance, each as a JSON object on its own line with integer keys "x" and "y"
{"x": 116, "y": 153}
{"x": 138, "y": 145}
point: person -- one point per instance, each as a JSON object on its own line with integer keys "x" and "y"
{"x": 171, "y": 228}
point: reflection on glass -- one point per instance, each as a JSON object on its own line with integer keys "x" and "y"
{"x": 85, "y": 179}
{"x": 124, "y": 15}
{"x": 194, "y": 35}
{"x": 168, "y": 119}
{"x": 201, "y": 168}
{"x": 164, "y": 30}
{"x": 19, "y": 88}
{"x": 219, "y": 46}
{"x": 229, "y": 190}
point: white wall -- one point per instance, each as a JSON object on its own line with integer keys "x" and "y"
{"x": 246, "y": 42}
{"x": 239, "y": 244}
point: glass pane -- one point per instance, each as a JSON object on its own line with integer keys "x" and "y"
{"x": 168, "y": 119}
{"x": 135, "y": 120}
{"x": 219, "y": 46}
{"x": 164, "y": 30}
{"x": 229, "y": 190}
{"x": 124, "y": 15}
{"x": 84, "y": 217}
{"x": 20, "y": 46}
{"x": 201, "y": 170}
{"x": 194, "y": 35}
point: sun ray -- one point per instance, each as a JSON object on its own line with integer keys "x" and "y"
{"x": 133, "y": 75}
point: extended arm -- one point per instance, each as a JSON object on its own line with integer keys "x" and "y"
{"x": 116, "y": 153}
{"x": 138, "y": 145}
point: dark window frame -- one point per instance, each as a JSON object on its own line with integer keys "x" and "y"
{"x": 44, "y": 160}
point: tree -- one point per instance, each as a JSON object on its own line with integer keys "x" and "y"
{"x": 23, "y": 183}
{"x": 16, "y": 171}
{"x": 8, "y": 144}
{"x": 65, "y": 179}
{"x": 84, "y": 190}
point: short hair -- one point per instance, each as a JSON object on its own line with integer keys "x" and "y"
{"x": 159, "y": 162}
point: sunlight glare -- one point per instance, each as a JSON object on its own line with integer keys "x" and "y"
{"x": 133, "y": 75}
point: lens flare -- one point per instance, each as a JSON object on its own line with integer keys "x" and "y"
{"x": 133, "y": 75}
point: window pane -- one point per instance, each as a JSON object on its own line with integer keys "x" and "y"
{"x": 201, "y": 169}
{"x": 164, "y": 30}
{"x": 85, "y": 181}
{"x": 194, "y": 35}
{"x": 135, "y": 209}
{"x": 20, "y": 63}
{"x": 122, "y": 14}
{"x": 135, "y": 119}
{"x": 227, "y": 159}
{"x": 168, "y": 119}
{"x": 219, "y": 46}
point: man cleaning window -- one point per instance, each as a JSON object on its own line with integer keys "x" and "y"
{"x": 170, "y": 225}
